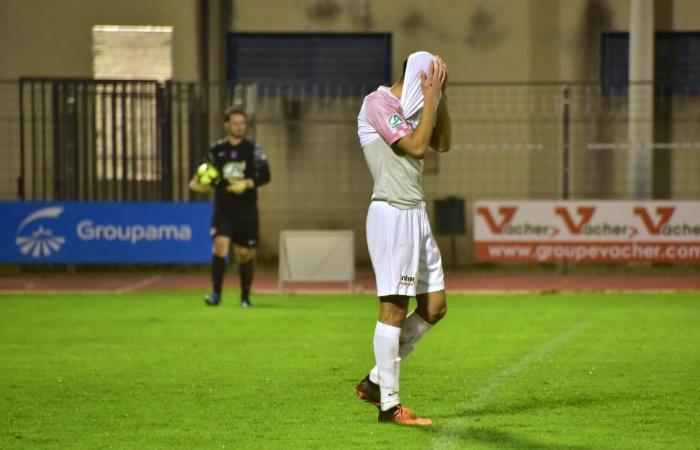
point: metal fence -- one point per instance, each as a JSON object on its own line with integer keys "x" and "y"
{"x": 140, "y": 140}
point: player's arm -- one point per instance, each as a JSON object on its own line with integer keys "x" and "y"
{"x": 194, "y": 184}
{"x": 441, "y": 139}
{"x": 416, "y": 144}
{"x": 261, "y": 174}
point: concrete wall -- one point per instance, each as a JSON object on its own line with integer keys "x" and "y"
{"x": 498, "y": 40}
{"x": 53, "y": 38}
{"x": 507, "y": 140}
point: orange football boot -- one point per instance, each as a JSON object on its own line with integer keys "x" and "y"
{"x": 402, "y": 416}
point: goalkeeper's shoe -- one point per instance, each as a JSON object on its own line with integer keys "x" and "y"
{"x": 402, "y": 416}
{"x": 368, "y": 392}
{"x": 212, "y": 299}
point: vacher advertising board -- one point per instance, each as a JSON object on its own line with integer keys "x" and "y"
{"x": 587, "y": 231}
{"x": 104, "y": 233}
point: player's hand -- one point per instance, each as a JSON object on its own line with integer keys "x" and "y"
{"x": 236, "y": 187}
{"x": 199, "y": 188}
{"x": 442, "y": 63}
{"x": 239, "y": 186}
{"x": 431, "y": 82}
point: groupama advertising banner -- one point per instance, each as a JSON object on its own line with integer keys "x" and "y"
{"x": 105, "y": 233}
{"x": 587, "y": 231}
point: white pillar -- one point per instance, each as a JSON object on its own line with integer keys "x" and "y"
{"x": 641, "y": 99}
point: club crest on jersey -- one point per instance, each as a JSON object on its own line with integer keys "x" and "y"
{"x": 395, "y": 120}
{"x": 233, "y": 170}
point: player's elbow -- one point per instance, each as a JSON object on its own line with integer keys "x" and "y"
{"x": 443, "y": 147}
{"x": 412, "y": 147}
{"x": 263, "y": 177}
{"x": 419, "y": 151}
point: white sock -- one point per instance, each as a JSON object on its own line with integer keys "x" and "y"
{"x": 414, "y": 327}
{"x": 386, "y": 352}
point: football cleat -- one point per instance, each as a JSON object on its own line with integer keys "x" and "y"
{"x": 212, "y": 299}
{"x": 368, "y": 392}
{"x": 245, "y": 303}
{"x": 402, "y": 416}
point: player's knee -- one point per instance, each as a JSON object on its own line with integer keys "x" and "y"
{"x": 393, "y": 318}
{"x": 438, "y": 313}
{"x": 436, "y": 310}
{"x": 221, "y": 247}
{"x": 244, "y": 254}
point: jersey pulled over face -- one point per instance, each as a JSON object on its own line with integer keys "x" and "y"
{"x": 397, "y": 177}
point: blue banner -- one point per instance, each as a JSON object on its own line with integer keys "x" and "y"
{"x": 105, "y": 233}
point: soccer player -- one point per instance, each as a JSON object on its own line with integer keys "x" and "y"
{"x": 404, "y": 254}
{"x": 243, "y": 167}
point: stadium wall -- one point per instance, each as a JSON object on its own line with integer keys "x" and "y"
{"x": 507, "y": 139}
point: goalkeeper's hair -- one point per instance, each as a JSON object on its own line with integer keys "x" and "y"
{"x": 234, "y": 110}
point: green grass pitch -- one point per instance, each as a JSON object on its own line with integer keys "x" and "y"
{"x": 161, "y": 370}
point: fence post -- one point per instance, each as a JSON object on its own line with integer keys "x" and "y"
{"x": 20, "y": 179}
{"x": 165, "y": 126}
{"x": 566, "y": 151}
{"x": 566, "y": 156}
{"x": 193, "y": 135}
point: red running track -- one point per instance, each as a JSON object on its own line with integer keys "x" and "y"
{"x": 266, "y": 282}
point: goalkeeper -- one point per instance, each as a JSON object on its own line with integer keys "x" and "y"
{"x": 243, "y": 168}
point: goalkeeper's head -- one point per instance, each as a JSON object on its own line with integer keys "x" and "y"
{"x": 235, "y": 122}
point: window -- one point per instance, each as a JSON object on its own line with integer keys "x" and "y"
{"x": 351, "y": 64}
{"x": 676, "y": 62}
{"x": 125, "y": 113}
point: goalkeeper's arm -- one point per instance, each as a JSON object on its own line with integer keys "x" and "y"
{"x": 195, "y": 186}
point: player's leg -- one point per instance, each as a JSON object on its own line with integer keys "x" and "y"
{"x": 430, "y": 290}
{"x": 246, "y": 268}
{"x": 389, "y": 239}
{"x": 392, "y": 317}
{"x": 221, "y": 232}
{"x": 431, "y": 299}
{"x": 392, "y": 313}
{"x": 393, "y": 246}
{"x": 245, "y": 239}
{"x": 431, "y": 308}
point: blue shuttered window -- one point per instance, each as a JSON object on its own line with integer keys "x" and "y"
{"x": 676, "y": 62}
{"x": 351, "y": 63}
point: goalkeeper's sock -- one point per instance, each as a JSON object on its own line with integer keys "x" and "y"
{"x": 414, "y": 327}
{"x": 246, "y": 271}
{"x": 218, "y": 267}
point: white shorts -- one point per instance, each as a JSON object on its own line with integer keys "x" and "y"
{"x": 405, "y": 256}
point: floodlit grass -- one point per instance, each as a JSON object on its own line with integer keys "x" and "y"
{"x": 160, "y": 370}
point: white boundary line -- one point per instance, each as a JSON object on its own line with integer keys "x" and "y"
{"x": 138, "y": 284}
{"x": 448, "y": 440}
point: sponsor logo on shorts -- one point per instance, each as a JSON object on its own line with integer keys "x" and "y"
{"x": 407, "y": 281}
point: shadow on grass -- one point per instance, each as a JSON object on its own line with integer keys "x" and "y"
{"x": 534, "y": 404}
{"x": 495, "y": 438}
{"x": 464, "y": 433}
